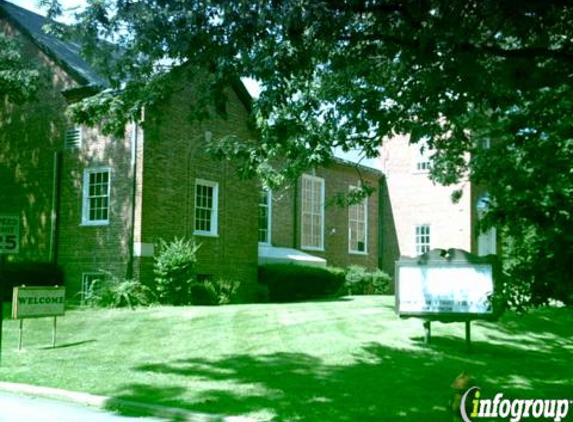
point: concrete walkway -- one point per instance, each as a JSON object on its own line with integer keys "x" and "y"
{"x": 23, "y": 402}
{"x": 19, "y": 408}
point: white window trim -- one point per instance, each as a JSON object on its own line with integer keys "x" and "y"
{"x": 322, "y": 190}
{"x": 269, "y": 218}
{"x": 422, "y": 158}
{"x": 365, "y": 205}
{"x": 85, "y": 199}
{"x": 416, "y": 238}
{"x": 214, "y": 211}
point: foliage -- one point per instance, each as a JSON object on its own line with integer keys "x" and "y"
{"x": 115, "y": 292}
{"x": 29, "y": 274}
{"x": 289, "y": 282}
{"x": 347, "y": 74}
{"x": 227, "y": 290}
{"x": 362, "y": 282}
{"x": 527, "y": 279}
{"x": 217, "y": 292}
{"x": 174, "y": 269}
{"x": 261, "y": 294}
{"x": 19, "y": 80}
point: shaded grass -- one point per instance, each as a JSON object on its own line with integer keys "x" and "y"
{"x": 319, "y": 361}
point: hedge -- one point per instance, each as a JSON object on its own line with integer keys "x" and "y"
{"x": 290, "y": 282}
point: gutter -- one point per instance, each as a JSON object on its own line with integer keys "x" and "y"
{"x": 131, "y": 243}
{"x": 381, "y": 190}
{"x": 295, "y": 215}
{"x": 55, "y": 208}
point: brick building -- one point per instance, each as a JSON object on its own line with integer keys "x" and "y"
{"x": 342, "y": 236}
{"x": 419, "y": 214}
{"x": 92, "y": 202}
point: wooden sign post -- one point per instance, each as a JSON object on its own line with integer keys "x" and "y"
{"x": 38, "y": 302}
{"x": 446, "y": 286}
{"x": 9, "y": 244}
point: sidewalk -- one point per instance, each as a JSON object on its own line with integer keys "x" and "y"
{"x": 118, "y": 405}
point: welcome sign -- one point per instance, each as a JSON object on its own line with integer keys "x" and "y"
{"x": 35, "y": 302}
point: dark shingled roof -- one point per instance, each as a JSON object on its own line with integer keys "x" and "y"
{"x": 65, "y": 52}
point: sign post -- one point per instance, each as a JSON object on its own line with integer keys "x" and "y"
{"x": 445, "y": 286}
{"x": 9, "y": 244}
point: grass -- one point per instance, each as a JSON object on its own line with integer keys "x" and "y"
{"x": 344, "y": 360}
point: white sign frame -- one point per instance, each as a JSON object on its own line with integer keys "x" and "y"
{"x": 38, "y": 302}
{"x": 435, "y": 287}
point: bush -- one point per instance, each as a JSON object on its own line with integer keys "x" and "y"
{"x": 114, "y": 292}
{"x": 203, "y": 293}
{"x": 227, "y": 290}
{"x": 289, "y": 282}
{"x": 174, "y": 270}
{"x": 29, "y": 274}
{"x": 361, "y": 282}
{"x": 218, "y": 292}
{"x": 260, "y": 294}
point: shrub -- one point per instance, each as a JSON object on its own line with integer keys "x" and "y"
{"x": 227, "y": 290}
{"x": 289, "y": 282}
{"x": 174, "y": 270}
{"x": 203, "y": 293}
{"x": 361, "y": 282}
{"x": 29, "y": 274}
{"x": 218, "y": 292}
{"x": 260, "y": 294}
{"x": 112, "y": 291}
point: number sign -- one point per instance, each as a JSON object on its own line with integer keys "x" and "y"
{"x": 9, "y": 234}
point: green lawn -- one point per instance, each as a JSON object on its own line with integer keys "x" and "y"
{"x": 349, "y": 360}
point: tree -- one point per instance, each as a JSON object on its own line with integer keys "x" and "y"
{"x": 18, "y": 79}
{"x": 348, "y": 73}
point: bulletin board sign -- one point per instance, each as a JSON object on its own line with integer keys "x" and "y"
{"x": 445, "y": 285}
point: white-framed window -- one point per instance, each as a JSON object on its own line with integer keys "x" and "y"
{"x": 312, "y": 205}
{"x": 358, "y": 226}
{"x": 73, "y": 138}
{"x": 88, "y": 280}
{"x": 487, "y": 240}
{"x": 422, "y": 239}
{"x": 206, "y": 207}
{"x": 423, "y": 158}
{"x": 265, "y": 216}
{"x": 96, "y": 196}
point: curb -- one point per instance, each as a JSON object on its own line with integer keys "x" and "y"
{"x": 110, "y": 403}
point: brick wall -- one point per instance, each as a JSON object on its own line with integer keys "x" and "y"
{"x": 95, "y": 248}
{"x": 286, "y": 217}
{"x": 410, "y": 198}
{"x": 30, "y": 135}
{"x": 32, "y": 155}
{"x": 174, "y": 157}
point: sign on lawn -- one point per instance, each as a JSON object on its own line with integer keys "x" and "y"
{"x": 9, "y": 233}
{"x": 446, "y": 284}
{"x": 34, "y": 302}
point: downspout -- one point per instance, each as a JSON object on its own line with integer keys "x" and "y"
{"x": 55, "y": 208}
{"x": 381, "y": 190}
{"x": 134, "y": 143}
{"x": 295, "y": 215}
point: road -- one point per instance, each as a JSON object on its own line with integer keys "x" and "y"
{"x": 19, "y": 408}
